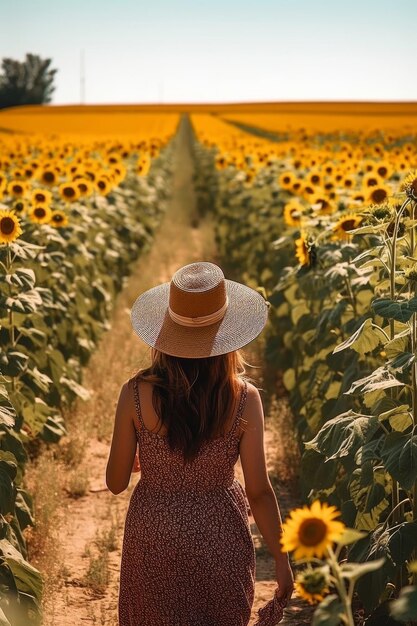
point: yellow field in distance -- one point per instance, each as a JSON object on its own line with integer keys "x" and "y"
{"x": 151, "y": 119}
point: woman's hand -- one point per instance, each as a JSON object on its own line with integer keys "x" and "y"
{"x": 285, "y": 578}
{"x": 136, "y": 463}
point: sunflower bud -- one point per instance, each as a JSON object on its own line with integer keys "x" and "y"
{"x": 313, "y": 583}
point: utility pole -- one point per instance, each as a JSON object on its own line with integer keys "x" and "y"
{"x": 82, "y": 77}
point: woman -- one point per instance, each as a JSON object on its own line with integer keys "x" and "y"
{"x": 188, "y": 557}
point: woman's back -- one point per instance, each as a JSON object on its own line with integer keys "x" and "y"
{"x": 188, "y": 557}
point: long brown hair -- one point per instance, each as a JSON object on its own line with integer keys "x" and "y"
{"x": 194, "y": 398}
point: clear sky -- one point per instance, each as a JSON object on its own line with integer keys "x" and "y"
{"x": 219, "y": 50}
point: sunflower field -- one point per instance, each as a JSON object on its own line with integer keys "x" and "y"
{"x": 76, "y": 210}
{"x": 323, "y": 223}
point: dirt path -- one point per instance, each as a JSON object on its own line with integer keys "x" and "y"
{"x": 81, "y": 549}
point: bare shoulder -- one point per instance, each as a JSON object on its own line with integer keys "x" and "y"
{"x": 251, "y": 446}
{"x": 252, "y": 415}
{"x": 127, "y": 398}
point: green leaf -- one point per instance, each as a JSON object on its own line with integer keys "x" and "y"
{"x": 7, "y": 411}
{"x": 397, "y": 310}
{"x": 35, "y": 415}
{"x": 79, "y": 390}
{"x": 401, "y": 362}
{"x": 405, "y": 607}
{"x": 27, "y": 578}
{"x": 365, "y": 339}
{"x": 343, "y": 434}
{"x": 353, "y": 571}
{"x": 350, "y": 535}
{"x": 24, "y": 278}
{"x": 42, "y": 381}
{"x": 329, "y": 612}
{"x": 399, "y": 417}
{"x": 398, "y": 344}
{"x": 399, "y": 455}
{"x": 380, "y": 378}
{"x": 27, "y": 302}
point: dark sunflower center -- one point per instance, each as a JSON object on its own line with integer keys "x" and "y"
{"x": 314, "y": 582}
{"x": 58, "y": 218}
{"x": 102, "y": 185}
{"x": 7, "y": 225}
{"x": 348, "y": 182}
{"x": 69, "y": 192}
{"x": 49, "y": 177}
{"x": 379, "y": 195}
{"x": 40, "y": 197}
{"x": 348, "y": 225}
{"x": 382, "y": 170}
{"x": 19, "y": 206}
{"x": 372, "y": 182}
{"x": 40, "y": 211}
{"x": 287, "y": 179}
{"x": 82, "y": 187}
{"x": 324, "y": 204}
{"x": 17, "y": 189}
{"x": 312, "y": 531}
{"x": 315, "y": 178}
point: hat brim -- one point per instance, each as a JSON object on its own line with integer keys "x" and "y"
{"x": 245, "y": 317}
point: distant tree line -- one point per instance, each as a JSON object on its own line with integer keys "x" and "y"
{"x": 26, "y": 82}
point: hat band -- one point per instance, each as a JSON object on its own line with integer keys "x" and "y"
{"x": 204, "y": 320}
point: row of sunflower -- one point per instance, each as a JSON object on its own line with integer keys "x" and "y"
{"x": 74, "y": 216}
{"x": 326, "y": 229}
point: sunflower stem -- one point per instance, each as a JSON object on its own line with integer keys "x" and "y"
{"x": 12, "y": 337}
{"x": 345, "y": 596}
{"x": 395, "y": 494}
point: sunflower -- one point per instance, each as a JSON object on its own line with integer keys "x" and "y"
{"x": 286, "y": 180}
{"x": 20, "y": 206}
{"x": 85, "y": 187}
{"x": 313, "y": 583}
{"x": 17, "y": 173}
{"x": 297, "y": 185}
{"x": 409, "y": 185}
{"x": 383, "y": 169}
{"x": 371, "y": 180}
{"x": 48, "y": 176}
{"x": 310, "y": 531}
{"x": 17, "y": 188}
{"x": 103, "y": 185}
{"x": 9, "y": 226}
{"x": 58, "y": 219}
{"x": 378, "y": 194}
{"x": 302, "y": 250}
{"x": 292, "y": 213}
{"x": 249, "y": 177}
{"x": 314, "y": 178}
{"x": 69, "y": 192}
{"x": 348, "y": 181}
{"x": 307, "y": 190}
{"x": 41, "y": 196}
{"x": 40, "y": 214}
{"x": 144, "y": 164}
{"x": 320, "y": 202}
{"x": 348, "y": 222}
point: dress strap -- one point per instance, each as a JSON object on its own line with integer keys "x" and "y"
{"x": 137, "y": 402}
{"x": 241, "y": 407}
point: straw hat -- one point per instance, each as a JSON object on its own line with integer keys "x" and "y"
{"x": 199, "y": 313}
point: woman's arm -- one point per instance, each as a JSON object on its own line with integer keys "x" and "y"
{"x": 123, "y": 446}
